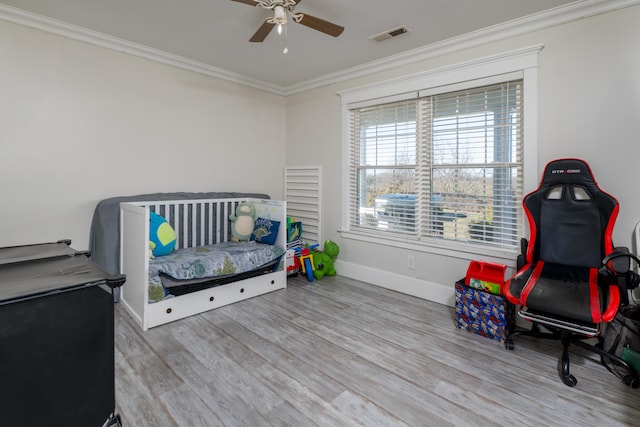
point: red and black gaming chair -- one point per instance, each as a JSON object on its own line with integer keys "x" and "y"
{"x": 567, "y": 280}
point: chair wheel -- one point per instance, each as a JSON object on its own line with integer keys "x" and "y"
{"x": 508, "y": 344}
{"x": 631, "y": 381}
{"x": 569, "y": 380}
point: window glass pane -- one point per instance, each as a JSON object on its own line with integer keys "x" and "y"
{"x": 389, "y": 145}
{"x": 396, "y": 212}
{"x": 387, "y": 135}
{"x": 476, "y": 204}
{"x": 463, "y": 139}
{"x": 387, "y": 199}
{"x": 385, "y": 153}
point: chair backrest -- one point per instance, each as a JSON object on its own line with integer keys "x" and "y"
{"x": 636, "y": 242}
{"x": 570, "y": 218}
{"x": 635, "y": 294}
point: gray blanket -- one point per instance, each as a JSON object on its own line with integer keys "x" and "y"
{"x": 104, "y": 239}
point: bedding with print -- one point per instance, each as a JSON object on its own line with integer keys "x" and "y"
{"x": 212, "y": 261}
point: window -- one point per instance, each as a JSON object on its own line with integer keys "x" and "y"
{"x": 444, "y": 166}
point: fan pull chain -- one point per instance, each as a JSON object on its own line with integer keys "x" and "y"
{"x": 286, "y": 49}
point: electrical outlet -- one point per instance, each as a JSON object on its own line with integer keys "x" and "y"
{"x": 411, "y": 262}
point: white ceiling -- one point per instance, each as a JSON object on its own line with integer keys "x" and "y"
{"x": 215, "y": 33}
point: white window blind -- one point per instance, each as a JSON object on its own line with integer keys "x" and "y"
{"x": 445, "y": 166}
{"x": 383, "y": 173}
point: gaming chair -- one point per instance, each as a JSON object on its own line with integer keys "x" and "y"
{"x": 571, "y": 280}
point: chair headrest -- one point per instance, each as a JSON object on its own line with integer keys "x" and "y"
{"x": 568, "y": 171}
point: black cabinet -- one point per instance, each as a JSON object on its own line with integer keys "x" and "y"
{"x": 56, "y": 338}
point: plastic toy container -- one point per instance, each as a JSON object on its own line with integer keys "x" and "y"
{"x": 486, "y": 276}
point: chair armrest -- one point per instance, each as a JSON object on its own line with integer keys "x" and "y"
{"x": 618, "y": 264}
{"x": 522, "y": 258}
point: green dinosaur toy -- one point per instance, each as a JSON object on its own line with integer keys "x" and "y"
{"x": 323, "y": 261}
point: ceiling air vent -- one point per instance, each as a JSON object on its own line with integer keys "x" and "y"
{"x": 395, "y": 32}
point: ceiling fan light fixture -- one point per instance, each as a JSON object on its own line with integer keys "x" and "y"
{"x": 279, "y": 15}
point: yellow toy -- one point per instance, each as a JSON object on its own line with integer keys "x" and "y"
{"x": 306, "y": 261}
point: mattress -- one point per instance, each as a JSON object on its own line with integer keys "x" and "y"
{"x": 202, "y": 264}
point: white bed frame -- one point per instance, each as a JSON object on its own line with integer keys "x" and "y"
{"x": 197, "y": 223}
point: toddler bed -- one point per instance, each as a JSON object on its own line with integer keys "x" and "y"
{"x": 206, "y": 270}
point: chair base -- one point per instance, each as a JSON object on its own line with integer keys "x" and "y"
{"x": 583, "y": 328}
{"x": 572, "y": 333}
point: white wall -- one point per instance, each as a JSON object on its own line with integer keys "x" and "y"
{"x": 589, "y": 107}
{"x": 79, "y": 123}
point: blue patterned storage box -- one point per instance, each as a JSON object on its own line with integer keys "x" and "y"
{"x": 483, "y": 313}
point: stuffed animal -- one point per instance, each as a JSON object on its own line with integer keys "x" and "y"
{"x": 243, "y": 222}
{"x": 324, "y": 261}
{"x": 161, "y": 234}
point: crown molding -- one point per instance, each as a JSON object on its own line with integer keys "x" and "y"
{"x": 557, "y": 16}
{"x": 53, "y": 26}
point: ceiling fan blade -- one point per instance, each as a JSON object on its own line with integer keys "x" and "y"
{"x": 255, "y": 3}
{"x": 321, "y": 25}
{"x": 249, "y": 2}
{"x": 262, "y": 32}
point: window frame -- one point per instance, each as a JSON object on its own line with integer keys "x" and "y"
{"x": 521, "y": 63}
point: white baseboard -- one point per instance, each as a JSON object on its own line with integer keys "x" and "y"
{"x": 436, "y": 292}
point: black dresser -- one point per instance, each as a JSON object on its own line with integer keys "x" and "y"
{"x": 56, "y": 338}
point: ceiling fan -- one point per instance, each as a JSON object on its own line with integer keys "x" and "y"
{"x": 282, "y": 9}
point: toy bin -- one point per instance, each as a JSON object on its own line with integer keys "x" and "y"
{"x": 483, "y": 313}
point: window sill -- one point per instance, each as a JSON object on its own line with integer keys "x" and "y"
{"x": 465, "y": 251}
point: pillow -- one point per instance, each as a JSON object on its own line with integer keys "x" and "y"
{"x": 265, "y": 231}
{"x": 162, "y": 234}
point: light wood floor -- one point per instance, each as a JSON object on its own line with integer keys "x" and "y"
{"x": 339, "y": 352}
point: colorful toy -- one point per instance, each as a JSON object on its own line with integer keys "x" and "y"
{"x": 324, "y": 261}
{"x": 487, "y": 276}
{"x": 243, "y": 222}
{"x": 305, "y": 255}
{"x": 161, "y": 234}
{"x": 292, "y": 262}
{"x": 294, "y": 229}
